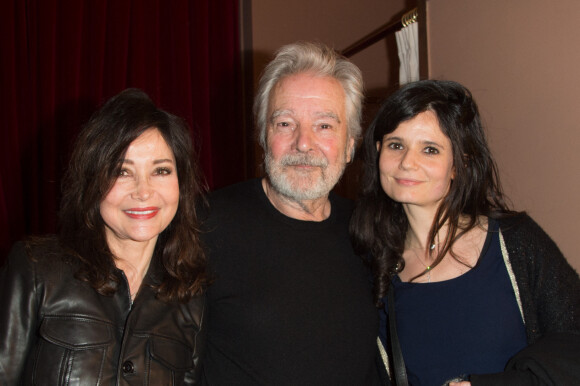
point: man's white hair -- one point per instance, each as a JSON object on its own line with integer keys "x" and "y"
{"x": 320, "y": 60}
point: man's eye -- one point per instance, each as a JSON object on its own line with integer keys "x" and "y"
{"x": 325, "y": 126}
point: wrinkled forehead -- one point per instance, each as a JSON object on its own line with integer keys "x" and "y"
{"x": 315, "y": 114}
{"x": 323, "y": 97}
{"x": 310, "y": 88}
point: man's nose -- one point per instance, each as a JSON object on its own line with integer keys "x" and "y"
{"x": 304, "y": 139}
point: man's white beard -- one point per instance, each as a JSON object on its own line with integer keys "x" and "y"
{"x": 307, "y": 185}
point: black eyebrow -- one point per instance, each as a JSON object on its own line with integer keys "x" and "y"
{"x": 156, "y": 162}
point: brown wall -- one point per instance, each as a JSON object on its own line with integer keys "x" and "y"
{"x": 520, "y": 60}
{"x": 337, "y": 23}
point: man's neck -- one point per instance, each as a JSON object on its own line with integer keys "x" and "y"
{"x": 306, "y": 210}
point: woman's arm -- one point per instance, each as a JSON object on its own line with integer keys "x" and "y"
{"x": 552, "y": 360}
{"x": 549, "y": 286}
{"x": 18, "y": 314}
{"x": 550, "y": 293}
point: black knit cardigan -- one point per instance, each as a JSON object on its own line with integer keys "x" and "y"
{"x": 549, "y": 291}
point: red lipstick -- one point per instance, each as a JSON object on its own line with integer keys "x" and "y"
{"x": 142, "y": 213}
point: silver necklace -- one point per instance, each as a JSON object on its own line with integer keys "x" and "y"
{"x": 427, "y": 267}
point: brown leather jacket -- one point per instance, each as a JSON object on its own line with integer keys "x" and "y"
{"x": 57, "y": 330}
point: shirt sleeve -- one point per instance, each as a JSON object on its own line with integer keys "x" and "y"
{"x": 18, "y": 315}
{"x": 553, "y": 360}
{"x": 554, "y": 286}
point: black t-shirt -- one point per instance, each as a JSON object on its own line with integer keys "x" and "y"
{"x": 291, "y": 303}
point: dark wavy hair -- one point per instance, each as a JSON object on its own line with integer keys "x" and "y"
{"x": 92, "y": 172}
{"x": 379, "y": 224}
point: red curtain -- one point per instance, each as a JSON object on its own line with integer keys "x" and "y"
{"x": 59, "y": 60}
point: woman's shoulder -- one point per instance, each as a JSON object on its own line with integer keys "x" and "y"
{"x": 44, "y": 252}
{"x": 520, "y": 225}
{"x": 529, "y": 245}
{"x": 520, "y": 230}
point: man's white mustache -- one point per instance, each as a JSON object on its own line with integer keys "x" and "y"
{"x": 303, "y": 159}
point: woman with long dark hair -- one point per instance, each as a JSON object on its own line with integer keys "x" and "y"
{"x": 117, "y": 296}
{"x": 474, "y": 282}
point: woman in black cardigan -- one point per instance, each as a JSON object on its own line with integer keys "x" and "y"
{"x": 480, "y": 290}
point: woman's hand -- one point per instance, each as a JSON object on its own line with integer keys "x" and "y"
{"x": 462, "y": 383}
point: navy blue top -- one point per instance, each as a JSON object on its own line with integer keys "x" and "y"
{"x": 467, "y": 325}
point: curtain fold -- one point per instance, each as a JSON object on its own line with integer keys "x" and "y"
{"x": 408, "y": 48}
{"x": 60, "y": 59}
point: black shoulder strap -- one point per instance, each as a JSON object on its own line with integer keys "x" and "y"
{"x": 400, "y": 372}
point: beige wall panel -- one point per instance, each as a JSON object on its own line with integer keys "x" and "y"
{"x": 337, "y": 23}
{"x": 520, "y": 60}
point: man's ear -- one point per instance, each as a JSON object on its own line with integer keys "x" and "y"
{"x": 350, "y": 151}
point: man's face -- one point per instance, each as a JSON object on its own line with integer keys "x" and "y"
{"x": 307, "y": 139}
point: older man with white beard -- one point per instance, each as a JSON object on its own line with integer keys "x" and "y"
{"x": 291, "y": 303}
